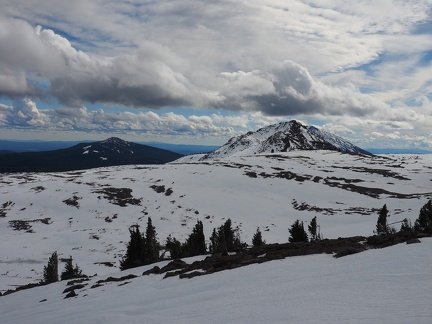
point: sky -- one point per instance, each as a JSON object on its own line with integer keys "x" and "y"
{"x": 199, "y": 72}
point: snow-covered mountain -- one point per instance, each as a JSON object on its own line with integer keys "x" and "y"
{"x": 284, "y": 137}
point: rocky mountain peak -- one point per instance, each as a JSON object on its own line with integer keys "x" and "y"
{"x": 283, "y": 137}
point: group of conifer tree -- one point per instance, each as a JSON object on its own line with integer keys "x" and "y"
{"x": 422, "y": 224}
{"x": 50, "y": 273}
{"x": 143, "y": 248}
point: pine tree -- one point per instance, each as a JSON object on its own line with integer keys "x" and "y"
{"x": 174, "y": 247}
{"x": 134, "y": 250}
{"x": 70, "y": 271}
{"x": 314, "y": 230}
{"x": 215, "y": 244}
{"x": 297, "y": 232}
{"x": 424, "y": 222}
{"x": 257, "y": 238}
{"x": 225, "y": 239}
{"x": 151, "y": 244}
{"x": 51, "y": 269}
{"x": 406, "y": 225}
{"x": 195, "y": 244}
{"x": 382, "y": 226}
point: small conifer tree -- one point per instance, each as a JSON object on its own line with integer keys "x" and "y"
{"x": 257, "y": 238}
{"x": 151, "y": 244}
{"x": 424, "y": 222}
{"x": 314, "y": 230}
{"x": 195, "y": 244}
{"x": 50, "y": 273}
{"x": 297, "y": 232}
{"x": 132, "y": 258}
{"x": 382, "y": 226}
{"x": 70, "y": 271}
{"x": 406, "y": 225}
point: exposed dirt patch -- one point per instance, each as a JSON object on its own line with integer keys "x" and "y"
{"x": 383, "y": 172}
{"x": 304, "y": 206}
{"x": 119, "y": 196}
{"x": 169, "y": 192}
{"x": 25, "y": 225}
{"x": 372, "y": 192}
{"x": 38, "y": 189}
{"x": 5, "y": 207}
{"x": 286, "y": 175}
{"x": 72, "y": 201}
{"x": 158, "y": 189}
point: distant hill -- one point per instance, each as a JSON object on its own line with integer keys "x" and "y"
{"x": 284, "y": 137}
{"x": 110, "y": 152}
{"x": 10, "y": 146}
{"x": 398, "y": 151}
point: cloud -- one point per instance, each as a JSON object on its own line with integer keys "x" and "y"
{"x": 24, "y": 114}
{"x": 289, "y": 89}
{"x": 149, "y": 78}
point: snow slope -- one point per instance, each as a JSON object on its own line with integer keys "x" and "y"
{"x": 390, "y": 285}
{"x": 86, "y": 214}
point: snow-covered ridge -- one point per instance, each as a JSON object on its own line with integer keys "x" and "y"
{"x": 284, "y": 137}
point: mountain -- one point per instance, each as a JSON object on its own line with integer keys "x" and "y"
{"x": 15, "y": 146}
{"x": 284, "y": 137}
{"x": 110, "y": 152}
